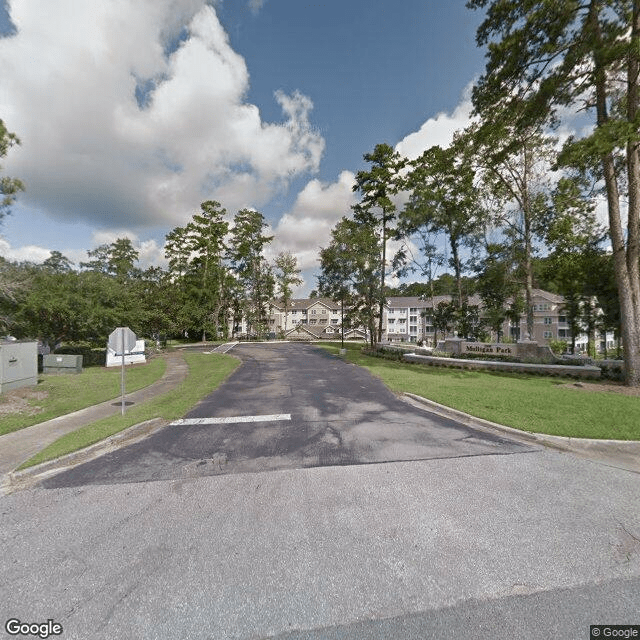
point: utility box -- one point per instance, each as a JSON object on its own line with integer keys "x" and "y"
{"x": 61, "y": 363}
{"x": 18, "y": 364}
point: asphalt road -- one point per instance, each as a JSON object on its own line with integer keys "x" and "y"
{"x": 360, "y": 518}
{"x": 339, "y": 415}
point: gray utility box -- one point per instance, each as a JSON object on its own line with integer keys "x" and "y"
{"x": 54, "y": 363}
{"x": 18, "y": 365}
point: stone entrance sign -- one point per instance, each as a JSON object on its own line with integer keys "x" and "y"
{"x": 517, "y": 350}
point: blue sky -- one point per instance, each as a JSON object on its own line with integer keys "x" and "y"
{"x": 133, "y": 113}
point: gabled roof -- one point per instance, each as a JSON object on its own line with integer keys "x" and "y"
{"x": 547, "y": 295}
{"x": 306, "y": 303}
{"x": 302, "y": 328}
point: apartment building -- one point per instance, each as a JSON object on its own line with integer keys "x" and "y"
{"x": 410, "y": 319}
{"x": 306, "y": 319}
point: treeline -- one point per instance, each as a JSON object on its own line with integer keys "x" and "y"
{"x": 505, "y": 190}
{"x": 217, "y": 274}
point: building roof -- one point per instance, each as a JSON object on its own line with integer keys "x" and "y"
{"x": 424, "y": 303}
{"x": 552, "y": 297}
{"x": 306, "y": 303}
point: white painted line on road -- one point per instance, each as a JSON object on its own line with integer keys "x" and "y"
{"x": 223, "y": 348}
{"x": 276, "y": 417}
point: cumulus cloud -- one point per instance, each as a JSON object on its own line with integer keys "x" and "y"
{"x": 150, "y": 253}
{"x": 438, "y": 130}
{"x": 26, "y": 253}
{"x": 319, "y": 206}
{"x": 307, "y": 226}
{"x": 134, "y": 112}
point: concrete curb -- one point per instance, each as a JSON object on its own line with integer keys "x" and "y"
{"x": 623, "y": 454}
{"x": 26, "y": 478}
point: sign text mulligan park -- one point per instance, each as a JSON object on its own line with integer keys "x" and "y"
{"x": 488, "y": 348}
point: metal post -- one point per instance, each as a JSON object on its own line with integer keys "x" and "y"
{"x": 122, "y": 370}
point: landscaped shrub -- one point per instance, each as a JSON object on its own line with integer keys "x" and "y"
{"x": 91, "y": 357}
{"x": 558, "y": 346}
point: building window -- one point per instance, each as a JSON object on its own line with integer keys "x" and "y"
{"x": 548, "y": 320}
{"x": 391, "y": 320}
{"x": 413, "y": 318}
{"x": 548, "y": 334}
{"x": 402, "y": 321}
{"x": 323, "y": 321}
{"x": 413, "y": 329}
{"x": 562, "y": 319}
{"x": 334, "y": 320}
{"x": 313, "y": 312}
{"x": 413, "y": 310}
{"x": 313, "y": 321}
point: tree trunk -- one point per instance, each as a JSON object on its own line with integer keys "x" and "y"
{"x": 382, "y": 272}
{"x": 629, "y": 311}
{"x": 457, "y": 268}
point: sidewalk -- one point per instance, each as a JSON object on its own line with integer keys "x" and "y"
{"x": 18, "y": 446}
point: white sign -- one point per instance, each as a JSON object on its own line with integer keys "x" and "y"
{"x": 134, "y": 356}
{"x": 122, "y": 340}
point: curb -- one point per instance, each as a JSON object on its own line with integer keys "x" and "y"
{"x": 26, "y": 478}
{"x": 623, "y": 454}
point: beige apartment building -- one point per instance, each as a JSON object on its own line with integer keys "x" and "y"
{"x": 409, "y": 319}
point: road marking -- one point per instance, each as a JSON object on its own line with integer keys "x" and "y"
{"x": 223, "y": 348}
{"x": 276, "y": 417}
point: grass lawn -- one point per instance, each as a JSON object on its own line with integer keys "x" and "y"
{"x": 530, "y": 403}
{"x": 57, "y": 395}
{"x": 206, "y": 372}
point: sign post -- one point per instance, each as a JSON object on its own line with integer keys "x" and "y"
{"x": 120, "y": 340}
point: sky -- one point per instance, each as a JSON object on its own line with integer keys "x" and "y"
{"x": 133, "y": 112}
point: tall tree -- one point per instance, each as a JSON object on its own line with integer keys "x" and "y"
{"x": 9, "y": 187}
{"x": 497, "y": 286}
{"x": 254, "y": 275}
{"x": 122, "y": 257}
{"x": 514, "y": 166}
{"x": 443, "y": 199}
{"x": 287, "y": 276}
{"x": 206, "y": 241}
{"x": 573, "y": 236}
{"x": 58, "y": 262}
{"x": 376, "y": 208}
{"x": 351, "y": 273}
{"x": 582, "y": 55}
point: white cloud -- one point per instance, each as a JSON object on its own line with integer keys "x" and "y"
{"x": 26, "y": 253}
{"x": 307, "y": 227}
{"x": 149, "y": 252}
{"x": 319, "y": 206}
{"x": 256, "y": 5}
{"x": 68, "y": 88}
{"x": 438, "y": 130}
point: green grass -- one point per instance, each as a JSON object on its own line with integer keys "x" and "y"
{"x": 206, "y": 372}
{"x": 69, "y": 392}
{"x": 530, "y": 403}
